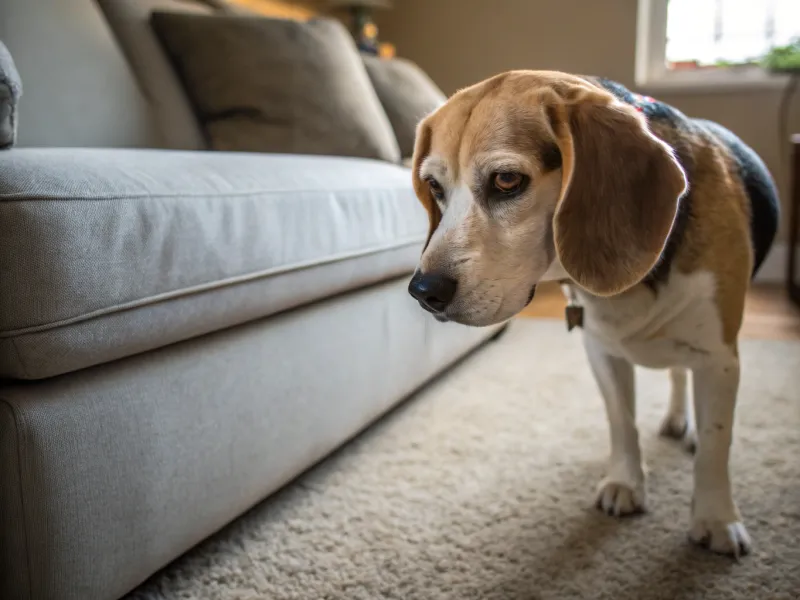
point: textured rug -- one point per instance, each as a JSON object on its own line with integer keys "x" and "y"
{"x": 482, "y": 487}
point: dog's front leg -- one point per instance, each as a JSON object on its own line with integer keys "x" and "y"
{"x": 622, "y": 490}
{"x": 716, "y": 522}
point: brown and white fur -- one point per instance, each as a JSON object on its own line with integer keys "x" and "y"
{"x": 534, "y": 175}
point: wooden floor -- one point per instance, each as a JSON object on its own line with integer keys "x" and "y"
{"x": 768, "y": 314}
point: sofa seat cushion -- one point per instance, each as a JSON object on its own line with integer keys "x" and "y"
{"x": 108, "y": 253}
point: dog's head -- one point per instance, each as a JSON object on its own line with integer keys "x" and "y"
{"x": 534, "y": 172}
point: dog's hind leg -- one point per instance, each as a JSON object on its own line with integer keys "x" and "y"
{"x": 678, "y": 423}
{"x": 622, "y": 490}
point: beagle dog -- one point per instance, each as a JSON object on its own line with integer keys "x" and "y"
{"x": 655, "y": 222}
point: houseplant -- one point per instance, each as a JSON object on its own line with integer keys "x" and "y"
{"x": 783, "y": 59}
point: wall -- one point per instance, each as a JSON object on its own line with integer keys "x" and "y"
{"x": 460, "y": 42}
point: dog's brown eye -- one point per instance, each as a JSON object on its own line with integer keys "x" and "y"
{"x": 507, "y": 183}
{"x": 436, "y": 189}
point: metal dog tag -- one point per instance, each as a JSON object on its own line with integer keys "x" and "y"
{"x": 573, "y": 311}
{"x": 574, "y": 316}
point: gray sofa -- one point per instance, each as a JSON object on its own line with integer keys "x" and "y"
{"x": 182, "y": 332}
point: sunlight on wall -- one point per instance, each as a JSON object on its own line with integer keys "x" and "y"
{"x": 277, "y": 8}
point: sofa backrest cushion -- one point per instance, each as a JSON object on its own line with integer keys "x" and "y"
{"x": 79, "y": 89}
{"x": 172, "y": 110}
{"x": 407, "y": 94}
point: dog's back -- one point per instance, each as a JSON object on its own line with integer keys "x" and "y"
{"x": 761, "y": 190}
{"x": 684, "y": 134}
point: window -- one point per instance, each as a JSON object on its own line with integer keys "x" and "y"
{"x": 711, "y": 43}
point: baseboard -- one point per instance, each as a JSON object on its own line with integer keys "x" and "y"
{"x": 773, "y": 269}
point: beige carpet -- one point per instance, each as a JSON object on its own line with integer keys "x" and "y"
{"x": 481, "y": 487}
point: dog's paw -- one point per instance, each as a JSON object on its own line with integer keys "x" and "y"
{"x": 722, "y": 537}
{"x": 620, "y": 499}
{"x": 720, "y": 531}
{"x": 674, "y": 426}
{"x": 690, "y": 441}
{"x": 677, "y": 427}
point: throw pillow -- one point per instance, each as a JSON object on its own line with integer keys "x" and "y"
{"x": 10, "y": 93}
{"x": 261, "y": 84}
{"x": 407, "y": 95}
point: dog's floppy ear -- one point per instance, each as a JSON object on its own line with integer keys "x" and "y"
{"x": 619, "y": 193}
{"x": 422, "y": 146}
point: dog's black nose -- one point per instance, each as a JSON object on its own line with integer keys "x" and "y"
{"x": 434, "y": 292}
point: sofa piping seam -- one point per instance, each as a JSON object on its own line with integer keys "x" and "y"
{"x": 27, "y": 197}
{"x": 23, "y": 367}
{"x": 206, "y": 287}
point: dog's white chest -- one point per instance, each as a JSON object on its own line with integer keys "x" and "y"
{"x": 678, "y": 326}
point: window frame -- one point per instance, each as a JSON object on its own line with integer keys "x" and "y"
{"x": 651, "y": 70}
